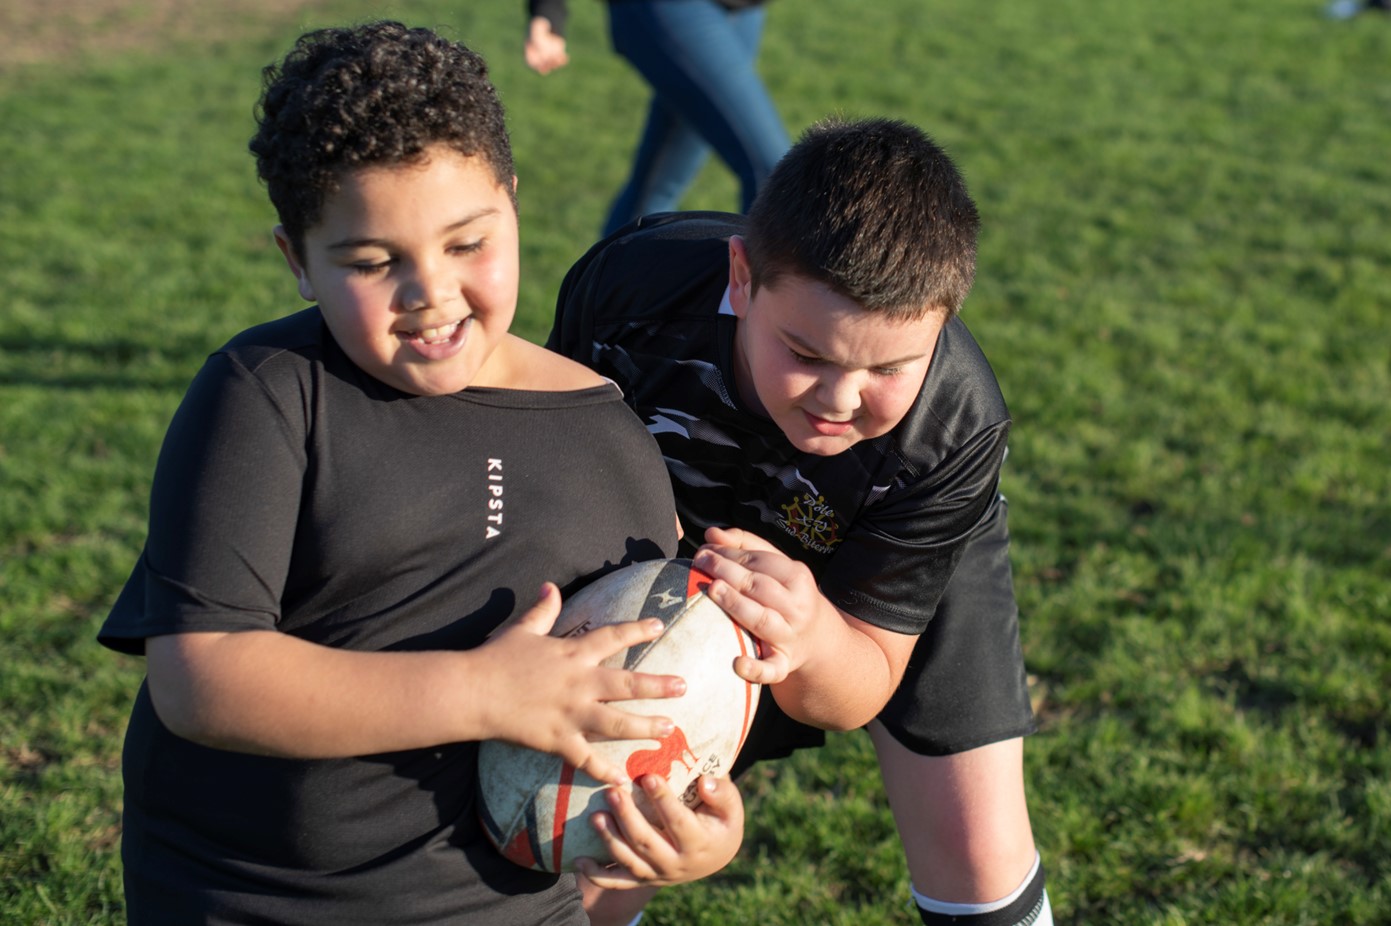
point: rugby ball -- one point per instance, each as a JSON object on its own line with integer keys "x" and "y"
{"x": 536, "y": 807}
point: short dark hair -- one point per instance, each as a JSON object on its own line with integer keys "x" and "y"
{"x": 375, "y": 94}
{"x": 875, "y": 210}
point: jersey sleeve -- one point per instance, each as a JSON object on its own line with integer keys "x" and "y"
{"x": 657, "y": 269}
{"x": 557, "y": 11}
{"x": 223, "y": 511}
{"x": 577, "y": 305}
{"x": 896, "y": 561}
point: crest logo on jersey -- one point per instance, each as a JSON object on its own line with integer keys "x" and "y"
{"x": 812, "y": 522}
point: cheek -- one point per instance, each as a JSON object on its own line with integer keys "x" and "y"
{"x": 352, "y": 296}
{"x": 787, "y": 380}
{"x": 497, "y": 273}
{"x": 890, "y": 402}
{"x": 492, "y": 296}
{"x": 494, "y": 274}
{"x": 353, "y": 314}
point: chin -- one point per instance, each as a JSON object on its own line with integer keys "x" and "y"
{"x": 431, "y": 385}
{"x": 821, "y": 446}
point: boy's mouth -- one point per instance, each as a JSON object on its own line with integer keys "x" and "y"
{"x": 439, "y": 342}
{"x": 438, "y": 335}
{"x": 826, "y": 427}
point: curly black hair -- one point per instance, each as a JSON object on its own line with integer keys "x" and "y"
{"x": 379, "y": 93}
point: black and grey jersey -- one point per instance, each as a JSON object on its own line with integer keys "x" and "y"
{"x": 882, "y": 524}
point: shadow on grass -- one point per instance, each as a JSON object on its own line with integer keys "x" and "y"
{"x": 107, "y": 364}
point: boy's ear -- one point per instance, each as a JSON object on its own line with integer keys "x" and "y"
{"x": 282, "y": 240}
{"x": 740, "y": 276}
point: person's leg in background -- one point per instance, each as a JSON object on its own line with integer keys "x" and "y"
{"x": 1346, "y": 9}
{"x": 700, "y": 60}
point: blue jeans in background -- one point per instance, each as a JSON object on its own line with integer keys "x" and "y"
{"x": 699, "y": 59}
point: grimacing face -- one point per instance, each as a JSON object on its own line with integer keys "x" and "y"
{"x": 826, "y": 371}
{"x": 415, "y": 268}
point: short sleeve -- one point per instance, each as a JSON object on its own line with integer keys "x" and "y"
{"x": 223, "y": 511}
{"x": 572, "y": 332}
{"x": 896, "y": 561}
{"x": 557, "y": 11}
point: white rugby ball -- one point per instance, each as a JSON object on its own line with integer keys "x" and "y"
{"x": 536, "y": 807}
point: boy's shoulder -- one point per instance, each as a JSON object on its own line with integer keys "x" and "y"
{"x": 663, "y": 251}
{"x": 294, "y": 334}
{"x": 658, "y": 267}
{"x": 960, "y": 401}
{"x": 681, "y": 226}
{"x": 534, "y": 368}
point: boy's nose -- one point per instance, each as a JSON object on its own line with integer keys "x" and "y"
{"x": 428, "y": 289}
{"x": 840, "y": 392}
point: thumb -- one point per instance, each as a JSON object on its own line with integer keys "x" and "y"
{"x": 540, "y": 617}
{"x": 738, "y": 538}
{"x": 720, "y": 795}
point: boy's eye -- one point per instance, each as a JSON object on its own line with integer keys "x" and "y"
{"x": 803, "y": 359}
{"x": 368, "y": 268}
{"x": 468, "y": 248}
{"x": 887, "y": 371}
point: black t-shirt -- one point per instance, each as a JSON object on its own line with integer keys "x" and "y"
{"x": 296, "y": 493}
{"x": 882, "y": 524}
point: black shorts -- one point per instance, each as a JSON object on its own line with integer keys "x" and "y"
{"x": 965, "y": 685}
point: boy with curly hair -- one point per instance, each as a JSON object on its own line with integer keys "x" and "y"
{"x": 351, "y": 513}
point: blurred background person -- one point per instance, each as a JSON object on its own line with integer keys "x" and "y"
{"x": 1347, "y": 9}
{"x": 699, "y": 57}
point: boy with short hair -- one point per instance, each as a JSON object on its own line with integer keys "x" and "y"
{"x": 351, "y": 512}
{"x": 835, "y": 435}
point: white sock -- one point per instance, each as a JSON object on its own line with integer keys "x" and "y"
{"x": 973, "y": 909}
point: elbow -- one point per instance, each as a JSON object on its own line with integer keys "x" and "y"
{"x": 183, "y": 705}
{"x": 188, "y": 718}
{"x": 177, "y": 709}
{"x": 849, "y": 721}
{"x": 833, "y": 717}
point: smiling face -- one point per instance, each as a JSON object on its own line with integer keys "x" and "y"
{"x": 415, "y": 269}
{"x": 826, "y": 371}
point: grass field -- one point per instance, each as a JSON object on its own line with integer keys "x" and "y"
{"x": 1185, "y": 289}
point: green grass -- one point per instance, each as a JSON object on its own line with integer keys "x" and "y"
{"x": 1183, "y": 287}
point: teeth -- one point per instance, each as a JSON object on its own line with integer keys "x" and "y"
{"x": 434, "y": 335}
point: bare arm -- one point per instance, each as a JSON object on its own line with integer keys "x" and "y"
{"x": 848, "y": 682}
{"x": 270, "y": 693}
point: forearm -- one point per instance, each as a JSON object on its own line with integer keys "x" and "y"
{"x": 845, "y": 683}
{"x": 273, "y": 694}
{"x": 824, "y": 666}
